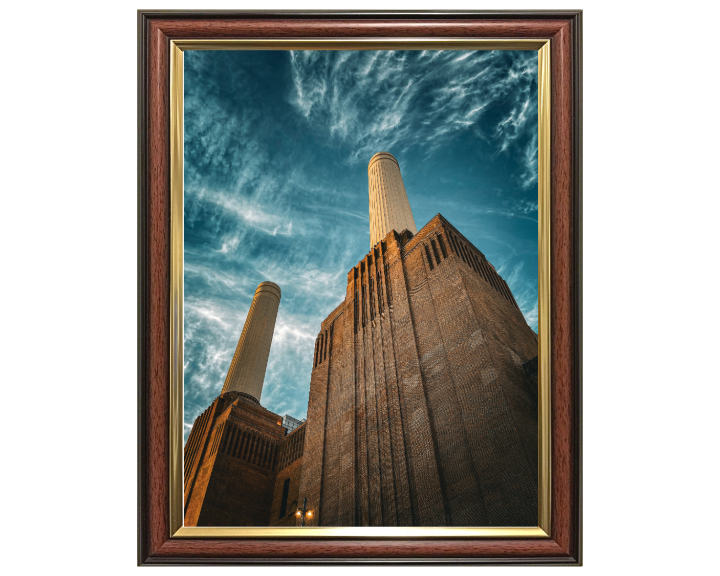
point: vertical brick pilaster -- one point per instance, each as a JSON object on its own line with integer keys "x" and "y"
{"x": 460, "y": 491}
{"x": 422, "y": 465}
{"x": 361, "y": 454}
{"x": 387, "y": 480}
{"x": 372, "y": 424}
{"x": 311, "y": 477}
{"x": 346, "y": 359}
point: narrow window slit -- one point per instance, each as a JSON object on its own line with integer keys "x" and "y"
{"x": 427, "y": 253}
{"x": 435, "y": 251}
{"x": 388, "y": 284}
{"x": 442, "y": 246}
{"x": 380, "y": 294}
{"x": 355, "y": 307}
{"x": 363, "y": 305}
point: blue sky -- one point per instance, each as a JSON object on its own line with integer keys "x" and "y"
{"x": 276, "y": 151}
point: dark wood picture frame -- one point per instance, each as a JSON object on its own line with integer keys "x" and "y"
{"x": 155, "y": 31}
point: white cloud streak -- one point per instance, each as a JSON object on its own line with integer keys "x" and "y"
{"x": 434, "y": 105}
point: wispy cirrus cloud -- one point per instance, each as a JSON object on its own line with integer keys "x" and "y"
{"x": 419, "y": 99}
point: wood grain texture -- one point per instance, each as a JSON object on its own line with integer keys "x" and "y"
{"x": 282, "y": 28}
{"x": 158, "y": 345}
{"x": 154, "y": 32}
{"x": 561, "y": 282}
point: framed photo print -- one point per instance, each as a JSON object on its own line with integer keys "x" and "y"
{"x": 360, "y": 281}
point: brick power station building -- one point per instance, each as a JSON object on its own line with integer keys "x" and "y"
{"x": 423, "y": 396}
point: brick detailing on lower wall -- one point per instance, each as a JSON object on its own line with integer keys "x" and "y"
{"x": 289, "y": 469}
{"x": 531, "y": 369}
{"x": 231, "y": 463}
{"x": 195, "y": 445}
{"x": 237, "y": 443}
{"x": 292, "y": 473}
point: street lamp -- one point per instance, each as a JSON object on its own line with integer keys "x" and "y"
{"x": 304, "y": 512}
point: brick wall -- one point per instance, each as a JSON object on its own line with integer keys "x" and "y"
{"x": 289, "y": 466}
{"x": 420, "y": 412}
{"x": 232, "y": 456}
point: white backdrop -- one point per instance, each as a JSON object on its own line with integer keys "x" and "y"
{"x": 69, "y": 287}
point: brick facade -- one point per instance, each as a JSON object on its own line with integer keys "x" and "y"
{"x": 289, "y": 468}
{"x": 421, "y": 410}
{"x": 231, "y": 462}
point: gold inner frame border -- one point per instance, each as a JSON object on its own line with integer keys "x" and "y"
{"x": 177, "y": 530}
